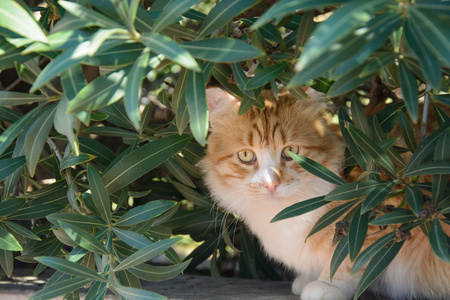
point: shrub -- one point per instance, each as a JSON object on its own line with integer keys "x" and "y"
{"x": 84, "y": 223}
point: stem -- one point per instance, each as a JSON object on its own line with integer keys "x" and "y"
{"x": 426, "y": 108}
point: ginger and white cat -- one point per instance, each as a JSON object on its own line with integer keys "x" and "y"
{"x": 249, "y": 171}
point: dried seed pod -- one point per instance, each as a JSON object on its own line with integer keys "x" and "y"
{"x": 400, "y": 235}
{"x": 427, "y": 213}
{"x": 389, "y": 208}
{"x": 341, "y": 228}
{"x": 231, "y": 79}
{"x": 427, "y": 201}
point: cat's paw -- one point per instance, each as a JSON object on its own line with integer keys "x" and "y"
{"x": 299, "y": 284}
{"x": 319, "y": 290}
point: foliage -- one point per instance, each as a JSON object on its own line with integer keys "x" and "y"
{"x": 84, "y": 226}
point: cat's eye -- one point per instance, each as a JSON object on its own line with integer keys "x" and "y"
{"x": 286, "y": 150}
{"x": 247, "y": 156}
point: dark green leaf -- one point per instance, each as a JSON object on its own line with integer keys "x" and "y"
{"x": 11, "y": 205}
{"x": 222, "y": 13}
{"x": 331, "y": 216}
{"x": 222, "y": 50}
{"x": 377, "y": 265}
{"x": 241, "y": 80}
{"x": 73, "y": 160}
{"x": 145, "y": 254}
{"x": 410, "y": 90}
{"x": 400, "y": 215}
{"x": 18, "y": 20}
{"x": 340, "y": 253}
{"x": 141, "y": 161}
{"x": 407, "y": 131}
{"x": 82, "y": 238}
{"x": 357, "y": 233}
{"x": 89, "y": 15}
{"x": 8, "y": 242}
{"x": 81, "y": 221}
{"x": 171, "y": 13}
{"x": 300, "y": 208}
{"x": 61, "y": 288}
{"x": 430, "y": 168}
{"x": 265, "y": 76}
{"x": 11, "y": 165}
{"x": 99, "y": 194}
{"x": 17, "y": 98}
{"x": 376, "y": 196}
{"x": 69, "y": 267}
{"x": 372, "y": 149}
{"x": 413, "y": 198}
{"x": 137, "y": 294}
{"x": 317, "y": 169}
{"x": 145, "y": 212}
{"x": 35, "y": 212}
{"x": 197, "y": 106}
{"x": 353, "y": 190}
{"x": 359, "y": 118}
{"x": 439, "y": 241}
{"x": 22, "y": 231}
{"x": 162, "y": 44}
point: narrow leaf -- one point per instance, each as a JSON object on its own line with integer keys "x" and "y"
{"x": 400, "y": 215}
{"x": 172, "y": 12}
{"x": 61, "y": 288}
{"x": 340, "y": 253}
{"x": 8, "y": 241}
{"x": 376, "y": 197}
{"x": 198, "y": 109}
{"x": 410, "y": 90}
{"x": 413, "y": 197}
{"x": 137, "y": 294}
{"x": 300, "y": 208}
{"x": 69, "y": 267}
{"x": 82, "y": 238}
{"x": 353, "y": 190}
{"x": 439, "y": 241}
{"x": 357, "y": 233}
{"x": 317, "y": 169}
{"x": 10, "y": 165}
{"x": 265, "y": 76}
{"x": 145, "y": 212}
{"x": 99, "y": 194}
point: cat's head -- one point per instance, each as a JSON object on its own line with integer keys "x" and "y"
{"x": 248, "y": 162}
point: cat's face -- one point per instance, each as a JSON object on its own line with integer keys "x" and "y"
{"x": 248, "y": 162}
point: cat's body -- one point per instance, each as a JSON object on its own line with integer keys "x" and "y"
{"x": 249, "y": 172}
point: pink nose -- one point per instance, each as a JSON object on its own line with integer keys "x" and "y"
{"x": 271, "y": 179}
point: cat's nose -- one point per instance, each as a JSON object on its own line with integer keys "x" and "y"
{"x": 271, "y": 179}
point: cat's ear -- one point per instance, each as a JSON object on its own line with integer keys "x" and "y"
{"x": 218, "y": 99}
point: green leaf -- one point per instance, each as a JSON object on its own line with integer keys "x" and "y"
{"x": 300, "y": 208}
{"x": 145, "y": 254}
{"x": 89, "y": 15}
{"x": 162, "y": 44}
{"x": 192, "y": 195}
{"x": 357, "y": 233}
{"x": 432, "y": 30}
{"x": 97, "y": 291}
{"x": 241, "y": 80}
{"x": 400, "y": 215}
{"x": 376, "y": 266}
{"x": 61, "y": 288}
{"x": 17, "y": 98}
{"x": 158, "y": 273}
{"x": 69, "y": 267}
{"x": 145, "y": 212}
{"x": 99, "y": 194}
{"x": 407, "y": 131}
{"x": 265, "y": 76}
{"x": 221, "y": 73}
{"x": 22, "y": 231}
{"x": 222, "y": 50}
{"x": 413, "y": 198}
{"x": 197, "y": 106}
{"x": 81, "y": 221}
{"x": 440, "y": 182}
{"x": 17, "y": 19}
{"x": 35, "y": 212}
{"x": 37, "y": 136}
{"x": 348, "y": 81}
{"x": 104, "y": 155}
{"x": 341, "y": 24}
{"x": 67, "y": 59}
{"x": 439, "y": 241}
{"x": 410, "y": 90}
{"x": 7, "y": 262}
{"x": 317, "y": 169}
{"x": 339, "y": 254}
{"x": 102, "y": 91}
{"x": 353, "y": 190}
{"x": 331, "y": 216}
{"x": 8, "y": 241}
{"x": 132, "y": 238}
{"x": 171, "y": 13}
{"x": 222, "y": 13}
{"x": 136, "y": 294}
{"x": 178, "y": 172}
{"x": 73, "y": 160}
{"x": 430, "y": 168}
{"x": 370, "y": 251}
{"x": 371, "y": 148}
{"x": 133, "y": 87}
{"x": 82, "y": 238}
{"x": 359, "y": 118}
{"x": 284, "y": 7}
{"x": 10, "y": 165}
{"x": 429, "y": 62}
{"x": 376, "y": 196}
{"x": 11, "y": 205}
{"x": 141, "y": 161}
{"x": 379, "y": 62}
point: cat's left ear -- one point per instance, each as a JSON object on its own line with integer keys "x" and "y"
{"x": 218, "y": 99}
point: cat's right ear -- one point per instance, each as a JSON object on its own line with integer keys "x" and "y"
{"x": 218, "y": 99}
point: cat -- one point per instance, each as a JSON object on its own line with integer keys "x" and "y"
{"x": 249, "y": 171}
